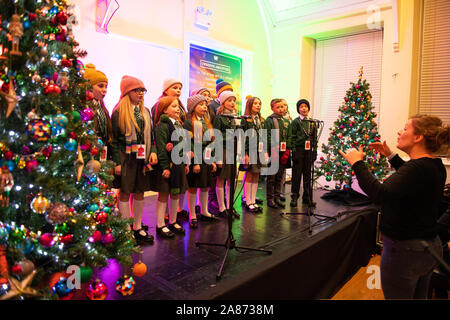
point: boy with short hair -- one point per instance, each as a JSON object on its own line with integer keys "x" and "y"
{"x": 277, "y": 121}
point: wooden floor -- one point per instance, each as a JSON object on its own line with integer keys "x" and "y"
{"x": 363, "y": 285}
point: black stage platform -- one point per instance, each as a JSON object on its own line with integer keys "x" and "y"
{"x": 302, "y": 266}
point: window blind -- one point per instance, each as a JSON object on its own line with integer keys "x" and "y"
{"x": 434, "y": 87}
{"x": 338, "y": 61}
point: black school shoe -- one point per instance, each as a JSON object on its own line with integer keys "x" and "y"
{"x": 293, "y": 203}
{"x": 234, "y": 214}
{"x": 272, "y": 204}
{"x": 208, "y": 219}
{"x": 279, "y": 203}
{"x": 147, "y": 238}
{"x": 193, "y": 223}
{"x": 176, "y": 228}
{"x": 164, "y": 234}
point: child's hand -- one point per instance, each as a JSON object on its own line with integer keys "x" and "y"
{"x": 197, "y": 168}
{"x": 118, "y": 170}
{"x": 214, "y": 167}
{"x": 186, "y": 169}
{"x": 169, "y": 147}
{"x": 166, "y": 174}
{"x": 246, "y": 159}
{"x": 153, "y": 159}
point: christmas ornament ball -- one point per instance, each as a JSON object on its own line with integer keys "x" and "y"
{"x": 57, "y": 213}
{"x": 139, "y": 269}
{"x": 60, "y": 121}
{"x": 101, "y": 217}
{"x": 40, "y": 131}
{"x": 125, "y": 285}
{"x": 97, "y": 290}
{"x": 107, "y": 239}
{"x": 26, "y": 267}
{"x": 71, "y": 145}
{"x": 46, "y": 240}
{"x": 85, "y": 274}
{"x": 93, "y": 166}
{"x": 62, "y": 290}
{"x": 87, "y": 114}
{"x": 40, "y": 204}
{"x": 76, "y": 116}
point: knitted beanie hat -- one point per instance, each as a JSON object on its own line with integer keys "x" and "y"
{"x": 225, "y": 95}
{"x": 93, "y": 75}
{"x": 222, "y": 86}
{"x": 170, "y": 82}
{"x": 299, "y": 102}
{"x": 194, "y": 100}
{"x": 129, "y": 83}
{"x": 199, "y": 91}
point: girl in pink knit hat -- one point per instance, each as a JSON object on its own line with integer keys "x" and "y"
{"x": 134, "y": 152}
{"x": 172, "y": 88}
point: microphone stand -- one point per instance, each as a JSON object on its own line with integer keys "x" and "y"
{"x": 309, "y": 156}
{"x": 230, "y": 242}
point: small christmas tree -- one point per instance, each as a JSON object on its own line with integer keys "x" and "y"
{"x": 355, "y": 127}
{"x": 56, "y": 206}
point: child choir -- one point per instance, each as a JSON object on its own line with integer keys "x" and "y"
{"x": 140, "y": 142}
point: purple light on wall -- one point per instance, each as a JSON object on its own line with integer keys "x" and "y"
{"x": 104, "y": 13}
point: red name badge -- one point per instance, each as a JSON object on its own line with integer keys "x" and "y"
{"x": 208, "y": 154}
{"x": 283, "y": 146}
{"x": 260, "y": 147}
{"x": 307, "y": 145}
{"x": 140, "y": 154}
{"x": 104, "y": 154}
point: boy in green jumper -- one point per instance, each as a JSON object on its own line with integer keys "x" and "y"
{"x": 276, "y": 121}
{"x": 299, "y": 142}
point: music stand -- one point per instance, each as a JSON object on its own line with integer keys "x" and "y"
{"x": 310, "y": 203}
{"x": 230, "y": 242}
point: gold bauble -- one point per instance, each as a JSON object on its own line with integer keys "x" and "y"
{"x": 40, "y": 204}
{"x": 93, "y": 166}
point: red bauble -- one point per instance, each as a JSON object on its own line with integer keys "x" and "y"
{"x": 52, "y": 89}
{"x": 46, "y": 240}
{"x": 73, "y": 135}
{"x": 86, "y": 146}
{"x": 32, "y": 16}
{"x": 9, "y": 155}
{"x": 89, "y": 96}
{"x": 66, "y": 63}
{"x": 68, "y": 238}
{"x": 16, "y": 269}
{"x": 47, "y": 151}
{"x": 94, "y": 151}
{"x": 31, "y": 165}
{"x": 97, "y": 291}
{"x": 107, "y": 238}
{"x": 61, "y": 35}
{"x": 96, "y": 236}
{"x": 61, "y": 17}
{"x": 5, "y": 87}
{"x": 101, "y": 217}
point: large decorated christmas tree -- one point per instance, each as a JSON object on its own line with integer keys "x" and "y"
{"x": 355, "y": 127}
{"x": 56, "y": 206}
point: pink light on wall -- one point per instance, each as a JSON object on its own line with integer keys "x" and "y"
{"x": 104, "y": 13}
